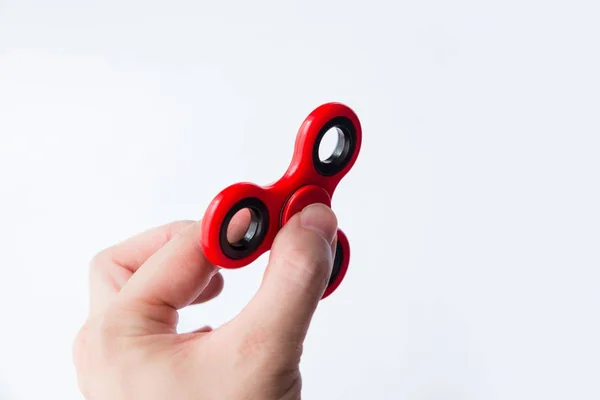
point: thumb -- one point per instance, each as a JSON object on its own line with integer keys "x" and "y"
{"x": 296, "y": 277}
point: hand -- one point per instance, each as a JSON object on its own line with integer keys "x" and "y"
{"x": 130, "y": 349}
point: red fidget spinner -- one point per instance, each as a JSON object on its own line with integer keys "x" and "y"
{"x": 307, "y": 180}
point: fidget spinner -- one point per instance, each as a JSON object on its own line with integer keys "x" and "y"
{"x": 307, "y": 180}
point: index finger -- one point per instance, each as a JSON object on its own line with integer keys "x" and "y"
{"x": 112, "y": 267}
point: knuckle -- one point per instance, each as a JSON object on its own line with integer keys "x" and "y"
{"x": 97, "y": 338}
{"x": 96, "y": 353}
{"x": 100, "y": 259}
{"x": 83, "y": 359}
{"x": 80, "y": 344}
{"x": 107, "y": 331}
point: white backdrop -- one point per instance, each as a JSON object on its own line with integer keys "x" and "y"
{"x": 472, "y": 212}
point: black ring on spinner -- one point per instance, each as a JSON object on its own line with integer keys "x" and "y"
{"x": 346, "y": 145}
{"x": 254, "y": 235}
{"x": 337, "y": 263}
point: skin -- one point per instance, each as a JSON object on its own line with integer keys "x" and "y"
{"x": 129, "y": 347}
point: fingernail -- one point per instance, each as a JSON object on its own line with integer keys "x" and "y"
{"x": 320, "y": 219}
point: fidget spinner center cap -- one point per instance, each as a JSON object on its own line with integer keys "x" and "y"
{"x": 301, "y": 199}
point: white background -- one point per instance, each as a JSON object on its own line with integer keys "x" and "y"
{"x": 472, "y": 212}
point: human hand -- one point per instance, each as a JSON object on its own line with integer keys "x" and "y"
{"x": 129, "y": 347}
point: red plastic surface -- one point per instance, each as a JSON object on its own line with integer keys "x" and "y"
{"x": 300, "y": 186}
{"x": 302, "y": 198}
